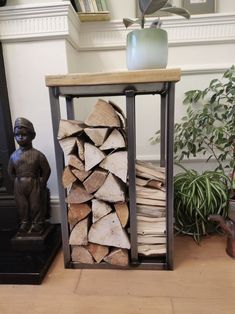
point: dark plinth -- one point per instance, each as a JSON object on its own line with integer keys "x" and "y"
{"x": 8, "y": 212}
{"x": 32, "y": 243}
{"x": 27, "y": 266}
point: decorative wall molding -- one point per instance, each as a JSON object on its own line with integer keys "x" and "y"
{"x": 50, "y": 21}
{"x": 205, "y": 29}
{"x": 204, "y": 69}
{"x": 59, "y": 20}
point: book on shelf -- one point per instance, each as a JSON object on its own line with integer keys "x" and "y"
{"x": 99, "y": 5}
{"x": 90, "y": 6}
{"x": 80, "y": 5}
{"x": 104, "y": 5}
{"x": 94, "y": 6}
{"x": 87, "y": 5}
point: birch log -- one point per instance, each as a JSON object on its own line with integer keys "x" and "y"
{"x": 108, "y": 231}
{"x": 116, "y": 163}
{"x": 97, "y": 135}
{"x": 98, "y": 251}
{"x": 79, "y": 233}
{"x": 93, "y": 156}
{"x": 95, "y": 180}
{"x": 118, "y": 257}
{"x": 81, "y": 255}
{"x": 111, "y": 191}
{"x": 103, "y": 114}
{"x": 69, "y": 127}
{"x": 99, "y": 209}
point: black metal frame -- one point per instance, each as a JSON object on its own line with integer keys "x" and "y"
{"x": 166, "y": 91}
{"x": 7, "y": 145}
{"x": 8, "y": 213}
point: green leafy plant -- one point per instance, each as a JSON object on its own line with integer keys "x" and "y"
{"x": 148, "y": 7}
{"x": 196, "y": 196}
{"x": 208, "y": 128}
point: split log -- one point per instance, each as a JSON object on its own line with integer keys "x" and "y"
{"x": 68, "y": 146}
{"x": 80, "y": 146}
{"x": 97, "y": 135}
{"x": 150, "y": 239}
{"x": 150, "y": 211}
{"x": 95, "y": 180}
{"x": 78, "y": 194}
{"x": 78, "y": 235}
{"x": 78, "y": 212}
{"x": 81, "y": 255}
{"x": 103, "y": 114}
{"x": 151, "y": 226}
{"x": 150, "y": 183}
{"x": 97, "y": 251}
{"x": 81, "y": 175}
{"x": 75, "y": 162}
{"x": 118, "y": 257}
{"x": 69, "y": 127}
{"x": 116, "y": 163}
{"x": 99, "y": 209}
{"x": 149, "y": 171}
{"x": 151, "y": 249}
{"x": 108, "y": 231}
{"x": 111, "y": 191}
{"x": 119, "y": 111}
{"x": 150, "y": 193}
{"x": 93, "y": 156}
{"x": 114, "y": 141}
{"x": 148, "y": 201}
{"x": 122, "y": 211}
{"x": 68, "y": 178}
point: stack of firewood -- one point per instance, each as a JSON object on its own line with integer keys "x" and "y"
{"x": 95, "y": 176}
{"x": 150, "y": 199}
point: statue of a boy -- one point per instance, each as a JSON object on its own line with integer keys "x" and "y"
{"x": 30, "y": 170}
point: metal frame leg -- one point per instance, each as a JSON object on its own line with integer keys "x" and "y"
{"x": 163, "y": 131}
{"x": 169, "y": 172}
{"x": 131, "y": 137}
{"x": 55, "y": 113}
{"x": 69, "y": 108}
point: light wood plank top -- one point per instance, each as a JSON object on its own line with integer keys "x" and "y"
{"x": 108, "y": 78}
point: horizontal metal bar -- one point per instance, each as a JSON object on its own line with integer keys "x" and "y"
{"x": 111, "y": 90}
{"x": 143, "y": 266}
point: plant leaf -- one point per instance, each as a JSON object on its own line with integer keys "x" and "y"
{"x": 178, "y": 11}
{"x": 129, "y": 22}
{"x": 151, "y": 6}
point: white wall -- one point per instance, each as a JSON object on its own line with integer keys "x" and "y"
{"x": 51, "y": 40}
{"x": 19, "y": 2}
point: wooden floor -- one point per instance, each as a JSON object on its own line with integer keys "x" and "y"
{"x": 203, "y": 282}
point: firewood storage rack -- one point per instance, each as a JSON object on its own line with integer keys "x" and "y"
{"x": 128, "y": 84}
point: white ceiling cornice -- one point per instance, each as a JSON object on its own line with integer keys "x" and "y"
{"x": 59, "y": 20}
{"x": 39, "y": 22}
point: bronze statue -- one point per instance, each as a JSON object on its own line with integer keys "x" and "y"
{"x": 30, "y": 170}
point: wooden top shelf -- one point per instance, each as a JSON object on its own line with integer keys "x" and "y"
{"x": 108, "y": 78}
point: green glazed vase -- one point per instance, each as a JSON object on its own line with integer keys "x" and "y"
{"x": 147, "y": 49}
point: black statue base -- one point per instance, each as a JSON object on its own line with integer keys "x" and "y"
{"x": 27, "y": 265}
{"x": 32, "y": 242}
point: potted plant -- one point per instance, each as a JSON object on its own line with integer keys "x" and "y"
{"x": 148, "y": 47}
{"x": 196, "y": 197}
{"x": 208, "y": 130}
{"x": 209, "y": 126}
